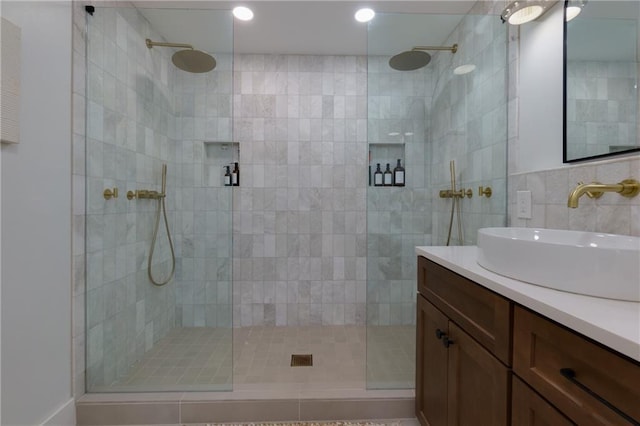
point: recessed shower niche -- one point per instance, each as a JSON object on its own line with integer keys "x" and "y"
{"x": 218, "y": 156}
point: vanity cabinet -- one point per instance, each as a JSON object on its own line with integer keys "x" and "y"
{"x": 587, "y": 382}
{"x": 484, "y": 359}
{"x": 462, "y": 331}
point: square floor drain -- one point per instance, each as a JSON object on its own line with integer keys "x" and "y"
{"x": 301, "y": 360}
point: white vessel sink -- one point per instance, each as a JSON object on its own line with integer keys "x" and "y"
{"x": 589, "y": 263}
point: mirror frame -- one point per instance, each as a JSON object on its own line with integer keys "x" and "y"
{"x": 564, "y": 105}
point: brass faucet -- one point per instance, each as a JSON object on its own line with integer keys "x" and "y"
{"x": 626, "y": 188}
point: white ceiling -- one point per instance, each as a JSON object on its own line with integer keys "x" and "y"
{"x": 305, "y": 27}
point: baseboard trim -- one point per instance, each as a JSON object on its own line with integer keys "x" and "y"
{"x": 63, "y": 416}
{"x": 119, "y": 411}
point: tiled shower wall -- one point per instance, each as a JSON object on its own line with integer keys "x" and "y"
{"x": 468, "y": 124}
{"x": 203, "y": 219}
{"x": 129, "y": 134}
{"x": 602, "y": 107}
{"x": 398, "y": 218}
{"x": 300, "y": 212}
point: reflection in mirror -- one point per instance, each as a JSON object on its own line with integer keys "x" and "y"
{"x": 601, "y": 80}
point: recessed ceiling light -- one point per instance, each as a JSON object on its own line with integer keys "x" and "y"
{"x": 394, "y": 133}
{"x": 408, "y": 133}
{"x": 243, "y": 13}
{"x": 364, "y": 15}
{"x": 464, "y": 69}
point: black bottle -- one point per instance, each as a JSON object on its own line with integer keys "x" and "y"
{"x": 227, "y": 176}
{"x": 398, "y": 175}
{"x": 388, "y": 176}
{"x": 235, "y": 175}
{"x": 377, "y": 176}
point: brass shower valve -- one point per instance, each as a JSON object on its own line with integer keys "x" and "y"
{"x": 110, "y": 193}
{"x": 486, "y": 191}
{"x": 144, "y": 194}
{"x": 448, "y": 193}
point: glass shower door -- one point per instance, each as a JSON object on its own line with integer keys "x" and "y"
{"x": 158, "y": 297}
{"x": 425, "y": 118}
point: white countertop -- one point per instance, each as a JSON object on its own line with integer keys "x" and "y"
{"x": 615, "y": 324}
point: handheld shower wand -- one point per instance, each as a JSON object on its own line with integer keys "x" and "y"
{"x": 161, "y": 207}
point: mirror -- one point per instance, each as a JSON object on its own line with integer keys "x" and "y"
{"x": 601, "y": 79}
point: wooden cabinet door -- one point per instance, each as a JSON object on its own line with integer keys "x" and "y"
{"x": 478, "y": 384}
{"x": 431, "y": 365}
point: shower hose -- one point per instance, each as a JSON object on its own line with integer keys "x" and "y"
{"x": 161, "y": 210}
{"x": 455, "y": 206}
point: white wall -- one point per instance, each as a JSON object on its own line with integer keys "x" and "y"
{"x": 36, "y": 231}
{"x": 540, "y": 91}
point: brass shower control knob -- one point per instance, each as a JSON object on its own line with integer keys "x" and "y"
{"x": 131, "y": 195}
{"x": 110, "y": 193}
{"x": 485, "y": 191}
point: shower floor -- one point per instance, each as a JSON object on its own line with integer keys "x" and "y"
{"x": 200, "y": 359}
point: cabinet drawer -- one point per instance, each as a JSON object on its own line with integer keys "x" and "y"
{"x": 542, "y": 349}
{"x": 483, "y": 314}
{"x": 530, "y": 409}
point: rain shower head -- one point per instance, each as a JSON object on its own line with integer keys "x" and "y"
{"x": 188, "y": 59}
{"x": 416, "y": 58}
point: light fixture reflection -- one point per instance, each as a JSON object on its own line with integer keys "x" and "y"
{"x": 364, "y": 15}
{"x": 574, "y": 7}
{"x": 522, "y": 11}
{"x": 243, "y": 13}
{"x": 464, "y": 69}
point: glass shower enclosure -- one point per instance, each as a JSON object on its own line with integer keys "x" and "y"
{"x": 452, "y": 109}
{"x": 144, "y": 116}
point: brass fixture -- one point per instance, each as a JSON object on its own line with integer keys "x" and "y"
{"x": 448, "y": 193}
{"x": 486, "y": 191}
{"x": 145, "y": 194}
{"x": 110, "y": 193}
{"x": 416, "y": 57}
{"x": 627, "y": 188}
{"x": 188, "y": 59}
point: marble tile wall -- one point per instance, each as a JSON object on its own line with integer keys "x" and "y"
{"x": 601, "y": 107}
{"x": 398, "y": 218}
{"x": 299, "y": 216}
{"x": 468, "y": 124}
{"x": 550, "y": 190}
{"x": 203, "y": 226}
{"x": 129, "y": 134}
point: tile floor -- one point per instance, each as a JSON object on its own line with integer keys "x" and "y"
{"x": 344, "y": 357}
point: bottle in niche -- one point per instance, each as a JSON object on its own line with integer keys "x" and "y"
{"x": 235, "y": 175}
{"x": 227, "y": 176}
{"x": 377, "y": 176}
{"x": 398, "y": 175}
{"x": 388, "y": 176}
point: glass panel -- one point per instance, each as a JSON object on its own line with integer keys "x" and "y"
{"x": 426, "y": 118}
{"x": 144, "y": 113}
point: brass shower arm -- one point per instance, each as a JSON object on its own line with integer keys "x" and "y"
{"x": 453, "y": 48}
{"x": 150, "y": 44}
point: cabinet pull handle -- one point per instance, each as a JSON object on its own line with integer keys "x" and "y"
{"x": 447, "y": 342}
{"x": 570, "y": 375}
{"x": 440, "y": 334}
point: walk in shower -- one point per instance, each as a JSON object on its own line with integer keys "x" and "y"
{"x": 306, "y": 255}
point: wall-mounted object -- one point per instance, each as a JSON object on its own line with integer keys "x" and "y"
{"x": 110, "y": 193}
{"x": 486, "y": 191}
{"x": 10, "y": 83}
{"x": 522, "y": 11}
{"x": 601, "y": 80}
{"x": 627, "y": 188}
